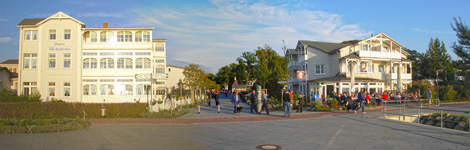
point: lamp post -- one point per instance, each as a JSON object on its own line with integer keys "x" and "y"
{"x": 147, "y": 88}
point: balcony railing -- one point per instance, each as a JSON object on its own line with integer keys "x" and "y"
{"x": 379, "y": 54}
{"x": 117, "y": 45}
{"x": 404, "y": 76}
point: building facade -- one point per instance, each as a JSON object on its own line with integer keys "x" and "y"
{"x": 12, "y": 66}
{"x": 62, "y": 59}
{"x": 376, "y": 64}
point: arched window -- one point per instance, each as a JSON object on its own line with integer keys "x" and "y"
{"x": 89, "y": 63}
{"x": 120, "y": 36}
{"x": 86, "y": 63}
{"x": 128, "y": 90}
{"x": 107, "y": 89}
{"x": 107, "y": 63}
{"x": 146, "y": 36}
{"x": 160, "y": 69}
{"x": 103, "y": 36}
{"x": 128, "y": 36}
{"x": 89, "y": 89}
{"x": 94, "y": 37}
{"x": 142, "y": 63}
{"x": 139, "y": 89}
{"x": 111, "y": 37}
{"x": 124, "y": 63}
{"x": 138, "y": 36}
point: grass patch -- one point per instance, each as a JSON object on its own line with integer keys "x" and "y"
{"x": 12, "y": 126}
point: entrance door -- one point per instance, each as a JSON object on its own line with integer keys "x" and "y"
{"x": 329, "y": 90}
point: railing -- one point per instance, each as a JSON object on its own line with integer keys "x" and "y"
{"x": 379, "y": 54}
{"x": 414, "y": 109}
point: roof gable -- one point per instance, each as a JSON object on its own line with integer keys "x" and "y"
{"x": 38, "y": 21}
{"x": 324, "y": 46}
{"x": 10, "y": 61}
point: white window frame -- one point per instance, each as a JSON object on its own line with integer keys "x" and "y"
{"x": 321, "y": 70}
{"x": 52, "y": 58}
{"x": 52, "y": 37}
{"x": 68, "y": 35}
{"x": 103, "y": 36}
{"x": 67, "y": 88}
{"x": 51, "y": 89}
{"x": 67, "y": 57}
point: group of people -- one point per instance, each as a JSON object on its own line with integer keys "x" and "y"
{"x": 288, "y": 101}
{"x": 213, "y": 95}
{"x": 236, "y": 101}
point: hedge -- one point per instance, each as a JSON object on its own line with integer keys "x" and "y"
{"x": 12, "y": 126}
{"x": 70, "y": 110}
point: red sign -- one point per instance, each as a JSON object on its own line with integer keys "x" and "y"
{"x": 300, "y": 74}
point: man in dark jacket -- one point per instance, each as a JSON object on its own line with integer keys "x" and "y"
{"x": 360, "y": 100}
{"x": 300, "y": 100}
{"x": 264, "y": 99}
{"x": 253, "y": 102}
{"x": 287, "y": 101}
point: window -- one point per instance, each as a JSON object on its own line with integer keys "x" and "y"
{"x": 125, "y": 89}
{"x": 111, "y": 37}
{"x": 66, "y": 60}
{"x": 89, "y": 89}
{"x": 160, "y": 91}
{"x": 124, "y": 36}
{"x": 107, "y": 63}
{"x": 160, "y": 82}
{"x": 94, "y": 37}
{"x": 67, "y": 89}
{"x": 159, "y": 48}
{"x": 89, "y": 63}
{"x": 160, "y": 61}
{"x": 124, "y": 63}
{"x": 146, "y": 36}
{"x": 160, "y": 69}
{"x": 381, "y": 69}
{"x": 51, "y": 88}
{"x": 107, "y": 89}
{"x": 142, "y": 63}
{"x": 30, "y": 88}
{"x": 320, "y": 69}
{"x": 52, "y": 34}
{"x": 31, "y": 35}
{"x": 103, "y": 36}
{"x": 67, "y": 34}
{"x": 139, "y": 89}
{"x": 30, "y": 60}
{"x": 364, "y": 47}
{"x": 138, "y": 36}
{"x": 52, "y": 60}
{"x": 129, "y": 90}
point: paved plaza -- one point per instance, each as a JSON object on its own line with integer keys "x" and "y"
{"x": 339, "y": 131}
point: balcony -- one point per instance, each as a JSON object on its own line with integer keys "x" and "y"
{"x": 379, "y": 54}
{"x": 117, "y": 45}
{"x": 404, "y": 76}
{"x": 292, "y": 64}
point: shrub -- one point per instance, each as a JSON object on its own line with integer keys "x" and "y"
{"x": 9, "y": 96}
{"x": 318, "y": 105}
{"x": 165, "y": 114}
{"x": 11, "y": 126}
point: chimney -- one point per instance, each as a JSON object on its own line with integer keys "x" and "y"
{"x": 105, "y": 25}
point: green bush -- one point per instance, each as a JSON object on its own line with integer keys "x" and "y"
{"x": 165, "y": 114}
{"x": 12, "y": 126}
{"x": 9, "y": 96}
{"x": 318, "y": 105}
{"x": 70, "y": 110}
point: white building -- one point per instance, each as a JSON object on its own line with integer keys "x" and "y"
{"x": 375, "y": 64}
{"x": 175, "y": 75}
{"x": 62, "y": 59}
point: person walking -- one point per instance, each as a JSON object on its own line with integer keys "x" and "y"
{"x": 235, "y": 102}
{"x": 360, "y": 99}
{"x": 253, "y": 102}
{"x": 217, "y": 103}
{"x": 209, "y": 97}
{"x": 300, "y": 101}
{"x": 429, "y": 95}
{"x": 264, "y": 99}
{"x": 287, "y": 101}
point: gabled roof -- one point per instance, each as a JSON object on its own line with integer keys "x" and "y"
{"x": 292, "y": 51}
{"x": 30, "y": 22}
{"x": 10, "y": 61}
{"x": 352, "y": 56}
{"x": 324, "y": 46}
{"x": 11, "y": 74}
{"x": 38, "y": 21}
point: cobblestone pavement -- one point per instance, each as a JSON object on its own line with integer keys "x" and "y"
{"x": 336, "y": 131}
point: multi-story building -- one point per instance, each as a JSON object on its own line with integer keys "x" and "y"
{"x": 375, "y": 64}
{"x": 60, "y": 58}
{"x": 12, "y": 66}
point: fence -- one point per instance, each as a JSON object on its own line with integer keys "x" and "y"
{"x": 169, "y": 104}
{"x": 414, "y": 110}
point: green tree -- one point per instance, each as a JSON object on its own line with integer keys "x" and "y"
{"x": 417, "y": 59}
{"x": 194, "y": 79}
{"x": 437, "y": 60}
{"x": 248, "y": 62}
{"x": 271, "y": 70}
{"x": 462, "y": 50}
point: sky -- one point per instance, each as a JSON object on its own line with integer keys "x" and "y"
{"x": 213, "y": 33}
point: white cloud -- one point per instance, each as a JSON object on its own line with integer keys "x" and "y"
{"x": 226, "y": 28}
{"x": 5, "y": 39}
{"x": 3, "y": 20}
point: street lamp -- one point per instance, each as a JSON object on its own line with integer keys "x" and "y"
{"x": 147, "y": 88}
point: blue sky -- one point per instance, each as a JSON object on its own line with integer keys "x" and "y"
{"x": 214, "y": 33}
